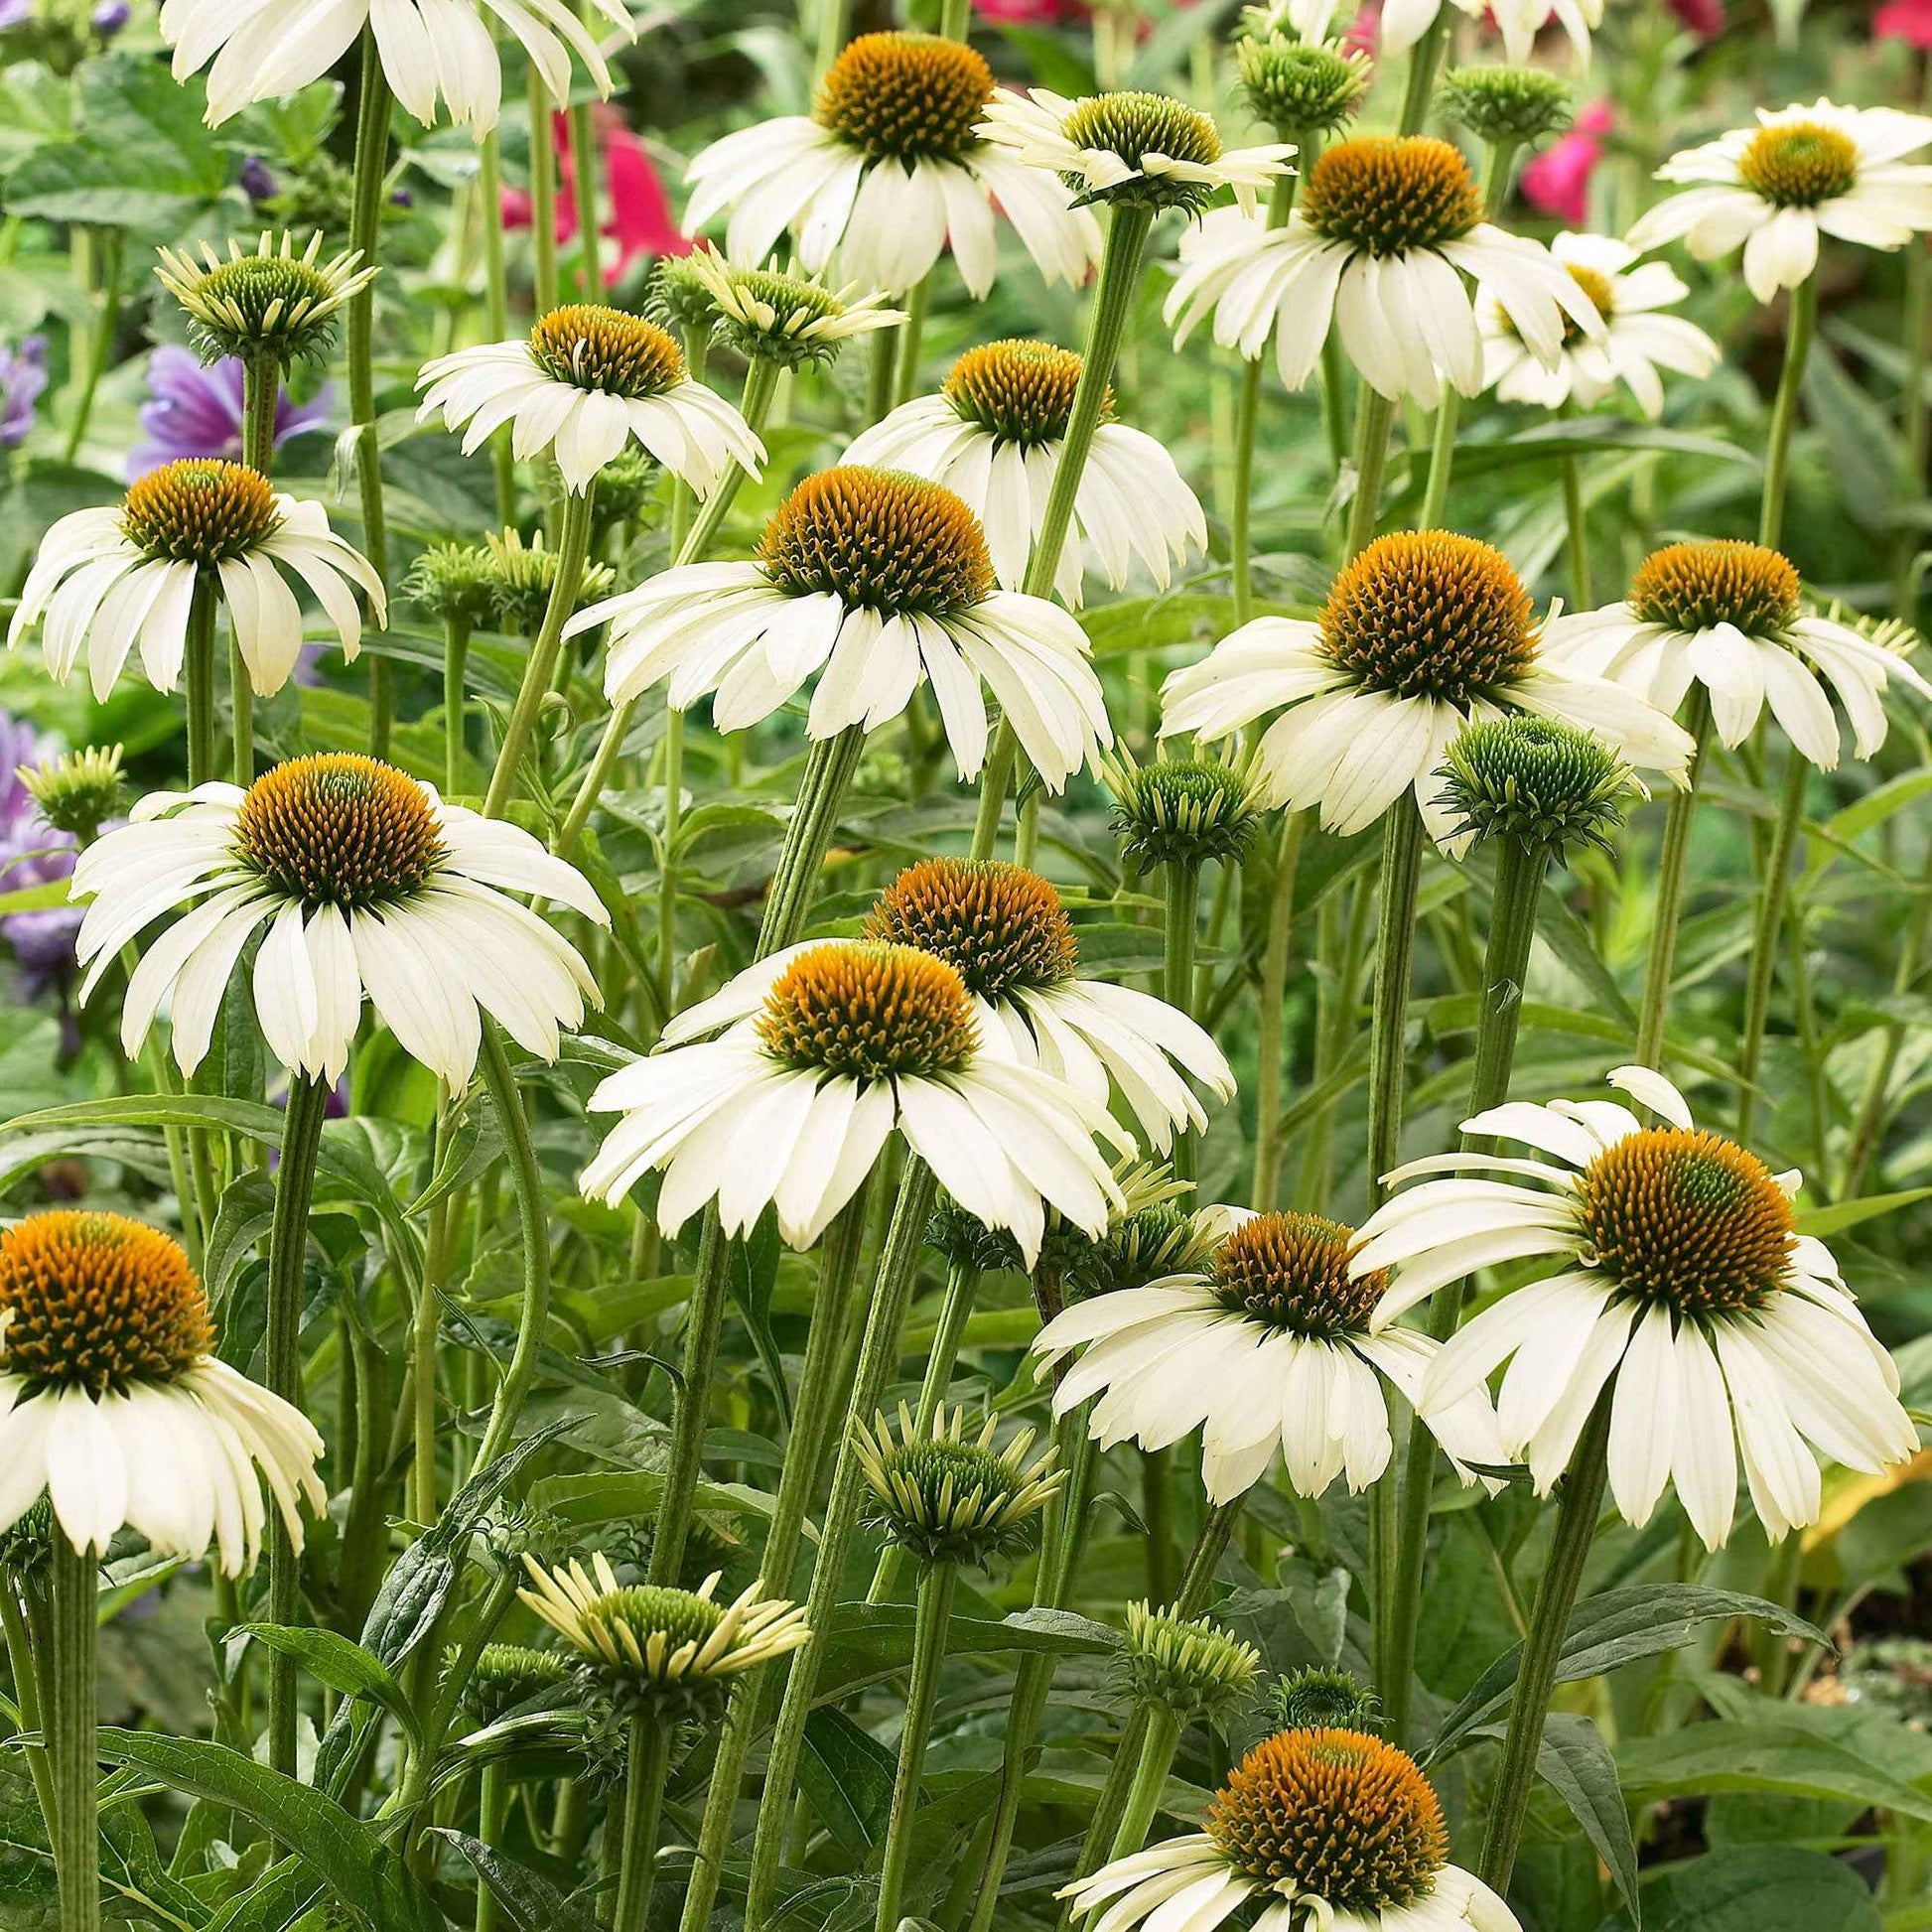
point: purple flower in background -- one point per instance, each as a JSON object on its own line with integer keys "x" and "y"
{"x": 197, "y": 412}
{"x": 257, "y": 181}
{"x": 33, "y": 853}
{"x": 23, "y": 376}
{"x": 109, "y": 17}
{"x": 15, "y": 13}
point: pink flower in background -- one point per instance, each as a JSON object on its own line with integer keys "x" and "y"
{"x": 1703, "y": 18}
{"x": 1557, "y": 182}
{"x": 1909, "y": 21}
{"x": 639, "y": 216}
{"x": 1032, "y": 13}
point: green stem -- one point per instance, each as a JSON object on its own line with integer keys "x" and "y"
{"x": 365, "y": 233}
{"x": 667, "y": 877}
{"x": 497, "y": 312}
{"x": 1869, "y": 1128}
{"x": 1800, "y": 327}
{"x": 1520, "y": 869}
{"x": 962, "y": 1288}
{"x": 910, "y": 336}
{"x": 647, "y": 1764}
{"x": 1422, "y": 61}
{"x": 1371, "y": 460}
{"x": 921, "y": 1697}
{"x": 1774, "y": 891}
{"x": 1401, "y": 876}
{"x": 527, "y": 1180}
{"x": 101, "y": 344}
{"x": 1269, "y": 1070}
{"x": 492, "y": 1815}
{"x": 261, "y": 388}
{"x": 295, "y": 1179}
{"x": 573, "y": 549}
{"x": 198, "y": 680}
{"x": 882, "y": 375}
{"x": 583, "y": 168}
{"x": 72, "y": 1737}
{"x": 1160, "y": 1739}
{"x": 1536, "y": 1674}
{"x": 455, "y": 659}
{"x": 1672, "y": 863}
{"x": 1247, "y": 406}
{"x": 834, "y": 29}
{"x": 1183, "y": 880}
{"x": 543, "y": 196}
{"x": 1335, "y": 400}
{"x": 1118, "y": 283}
{"x": 891, "y": 1290}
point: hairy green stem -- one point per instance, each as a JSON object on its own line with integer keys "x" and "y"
{"x": 455, "y": 660}
{"x": 365, "y": 234}
{"x": 198, "y": 680}
{"x": 1800, "y": 327}
{"x": 1773, "y": 895}
{"x": 1672, "y": 865}
{"x": 496, "y": 313}
{"x": 1160, "y": 1739}
{"x": 543, "y": 196}
{"x": 647, "y": 1762}
{"x": 1247, "y": 407}
{"x": 582, "y": 169}
{"x": 71, "y": 1734}
{"x": 100, "y": 345}
{"x": 1376, "y": 417}
{"x": 1400, "y": 879}
{"x": 937, "y": 1589}
{"x": 1265, "y": 1191}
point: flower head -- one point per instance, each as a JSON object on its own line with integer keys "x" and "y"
{"x": 272, "y": 302}
{"x": 1134, "y": 146}
{"x": 79, "y": 792}
{"x": 1535, "y": 782}
{"x": 507, "y": 1675}
{"x": 950, "y": 1497}
{"x": 826, "y": 1051}
{"x": 1183, "y": 811}
{"x": 1380, "y": 237}
{"x": 1800, "y": 172}
{"x": 1266, "y": 1348}
{"x": 453, "y": 581}
{"x": 1681, "y": 1275}
{"x": 366, "y": 881}
{"x": 993, "y": 434}
{"x": 876, "y": 581}
{"x": 1194, "y": 1666}
{"x": 1507, "y": 107}
{"x": 1425, "y": 631}
{"x": 1299, "y": 86}
{"x": 1321, "y": 1698}
{"x": 1329, "y": 1825}
{"x": 770, "y": 316}
{"x": 1635, "y": 340}
{"x": 891, "y": 168}
{"x": 1730, "y": 616}
{"x": 109, "y": 578}
{"x": 657, "y": 1650}
{"x": 518, "y": 578}
{"x": 585, "y": 382}
{"x": 114, "y": 1404}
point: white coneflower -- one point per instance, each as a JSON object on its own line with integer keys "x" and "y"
{"x": 586, "y": 381}
{"x": 874, "y": 583}
{"x": 1269, "y": 1349}
{"x": 273, "y": 300}
{"x": 107, "y": 580}
{"x": 1800, "y": 173}
{"x": 889, "y": 169}
{"x": 1378, "y": 243}
{"x": 792, "y": 1106}
{"x": 1423, "y": 634}
{"x": 430, "y": 49}
{"x": 1402, "y": 23}
{"x": 767, "y": 316}
{"x": 1322, "y": 1829}
{"x": 993, "y": 434}
{"x": 1683, "y": 1276}
{"x": 365, "y": 879}
{"x": 1637, "y": 340}
{"x": 115, "y": 1407}
{"x": 1004, "y": 931}
{"x": 1730, "y": 615}
{"x": 1143, "y": 148}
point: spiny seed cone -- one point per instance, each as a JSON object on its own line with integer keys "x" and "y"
{"x": 1300, "y": 86}
{"x": 678, "y": 296}
{"x": 1019, "y": 392}
{"x": 1535, "y": 781}
{"x": 509, "y": 1674}
{"x": 1001, "y": 927}
{"x": 1428, "y": 614}
{"x": 1388, "y": 194}
{"x": 1800, "y": 164}
{"x": 98, "y": 1302}
{"x": 1186, "y": 811}
{"x": 1191, "y": 1665}
{"x": 1687, "y": 1219}
{"x": 905, "y": 95}
{"x": 1133, "y": 125}
{"x": 949, "y": 1497}
{"x": 265, "y": 299}
{"x": 1334, "y": 1812}
{"x": 1290, "y": 1272}
{"x": 340, "y": 829}
{"x": 1164, "y": 1239}
{"x": 1505, "y": 105}
{"x": 1321, "y": 1697}
{"x": 891, "y": 542}
{"x": 591, "y": 346}
{"x": 199, "y": 512}
{"x": 869, "y": 1011}
{"x": 1696, "y": 586}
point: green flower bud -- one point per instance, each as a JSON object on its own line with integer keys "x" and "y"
{"x": 1194, "y": 1666}
{"x": 1508, "y": 107}
{"x": 1300, "y": 87}
{"x": 79, "y": 791}
{"x": 1536, "y": 781}
{"x": 1184, "y": 810}
{"x": 1324, "y": 1698}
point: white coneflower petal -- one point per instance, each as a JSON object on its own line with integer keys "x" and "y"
{"x": 1728, "y": 1334}
{"x": 110, "y": 580}
{"x": 366, "y": 881}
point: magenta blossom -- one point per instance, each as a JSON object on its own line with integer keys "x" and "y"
{"x": 1909, "y": 21}
{"x": 193, "y": 411}
{"x": 640, "y": 218}
{"x": 1557, "y": 182}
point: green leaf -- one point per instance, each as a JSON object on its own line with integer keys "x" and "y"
{"x": 1822, "y": 1221}
{"x": 1575, "y": 1762}
{"x": 529, "y": 1901}
{"x": 1768, "y": 1755}
{"x": 276, "y": 1901}
{"x": 752, "y": 1274}
{"x": 1616, "y": 1626}
{"x": 873, "y": 1640}
{"x": 340, "y": 1851}
{"x": 1760, "y": 1888}
{"x": 848, "y": 1775}
{"x": 340, "y": 1663}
